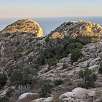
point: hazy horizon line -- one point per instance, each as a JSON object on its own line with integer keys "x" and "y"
{"x": 48, "y": 17}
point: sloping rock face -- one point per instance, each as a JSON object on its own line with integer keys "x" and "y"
{"x": 18, "y": 54}
{"x": 24, "y": 25}
{"x": 18, "y": 50}
{"x": 78, "y": 29}
{"x": 20, "y": 45}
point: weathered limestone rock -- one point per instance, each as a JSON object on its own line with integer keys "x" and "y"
{"x": 78, "y": 95}
{"x": 27, "y": 97}
{"x": 48, "y": 99}
{"x": 24, "y": 25}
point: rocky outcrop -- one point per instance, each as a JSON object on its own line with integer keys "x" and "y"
{"x": 85, "y": 31}
{"x": 24, "y": 25}
{"x": 27, "y": 97}
{"x": 78, "y": 94}
{"x": 48, "y": 99}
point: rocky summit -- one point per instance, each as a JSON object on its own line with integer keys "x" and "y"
{"x": 60, "y": 67}
{"x": 83, "y": 30}
{"x": 24, "y": 25}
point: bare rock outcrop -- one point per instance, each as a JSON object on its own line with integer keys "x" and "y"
{"x": 78, "y": 94}
{"x": 25, "y": 25}
{"x": 27, "y": 97}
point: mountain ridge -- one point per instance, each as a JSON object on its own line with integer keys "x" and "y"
{"x": 50, "y": 65}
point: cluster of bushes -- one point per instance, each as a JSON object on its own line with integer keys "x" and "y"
{"x": 57, "y": 49}
{"x": 88, "y": 78}
{"x": 4, "y": 99}
{"x": 47, "y": 86}
{"x": 23, "y": 76}
{"x": 58, "y": 82}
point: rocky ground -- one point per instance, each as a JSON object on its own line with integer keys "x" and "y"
{"x": 27, "y": 76}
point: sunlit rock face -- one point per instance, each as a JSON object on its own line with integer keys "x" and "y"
{"x": 24, "y": 25}
{"x": 79, "y": 29}
{"x": 57, "y": 35}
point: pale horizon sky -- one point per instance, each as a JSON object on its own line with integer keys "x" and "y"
{"x": 49, "y": 8}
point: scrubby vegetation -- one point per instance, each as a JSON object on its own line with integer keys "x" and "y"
{"x": 58, "y": 82}
{"x": 88, "y": 78}
{"x": 75, "y": 55}
{"x": 4, "y": 99}
{"x": 23, "y": 76}
{"x": 46, "y": 88}
{"x": 57, "y": 49}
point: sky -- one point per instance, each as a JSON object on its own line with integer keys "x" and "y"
{"x": 49, "y": 8}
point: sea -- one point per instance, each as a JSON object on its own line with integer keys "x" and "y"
{"x": 49, "y": 24}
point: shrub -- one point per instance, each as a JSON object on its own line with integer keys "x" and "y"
{"x": 59, "y": 48}
{"x": 75, "y": 54}
{"x": 47, "y": 39}
{"x": 45, "y": 90}
{"x": 52, "y": 61}
{"x": 4, "y": 99}
{"x": 16, "y": 77}
{"x": 88, "y": 78}
{"x": 23, "y": 75}
{"x": 3, "y": 79}
{"x": 58, "y": 82}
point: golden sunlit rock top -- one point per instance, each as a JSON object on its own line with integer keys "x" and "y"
{"x": 77, "y": 29}
{"x": 24, "y": 25}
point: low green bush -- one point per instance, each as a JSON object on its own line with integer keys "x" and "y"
{"x": 58, "y": 82}
{"x": 88, "y": 78}
{"x": 23, "y": 76}
{"x": 57, "y": 49}
{"x": 75, "y": 55}
{"x": 46, "y": 88}
{"x": 4, "y": 99}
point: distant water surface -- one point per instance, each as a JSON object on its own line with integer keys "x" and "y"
{"x": 49, "y": 24}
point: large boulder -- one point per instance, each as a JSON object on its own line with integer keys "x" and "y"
{"x": 48, "y": 99}
{"x": 27, "y": 97}
{"x": 24, "y": 25}
{"x": 38, "y": 100}
{"x": 78, "y": 94}
{"x": 66, "y": 95}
